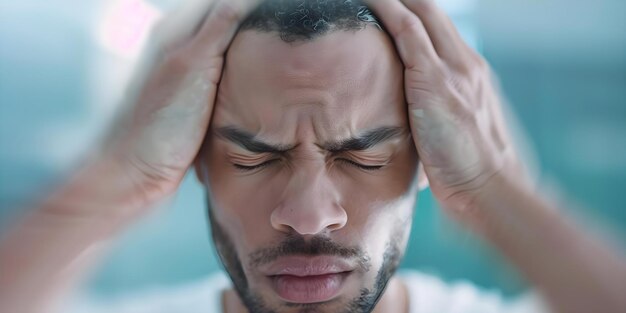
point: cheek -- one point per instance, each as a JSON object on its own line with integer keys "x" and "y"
{"x": 241, "y": 195}
{"x": 366, "y": 193}
{"x": 386, "y": 230}
{"x": 242, "y": 203}
{"x": 381, "y": 207}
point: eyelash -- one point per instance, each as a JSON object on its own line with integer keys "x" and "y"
{"x": 368, "y": 168}
{"x": 253, "y": 167}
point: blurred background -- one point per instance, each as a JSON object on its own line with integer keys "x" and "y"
{"x": 64, "y": 66}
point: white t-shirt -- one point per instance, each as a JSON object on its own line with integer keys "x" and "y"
{"x": 427, "y": 294}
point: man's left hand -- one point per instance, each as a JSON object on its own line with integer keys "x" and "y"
{"x": 455, "y": 111}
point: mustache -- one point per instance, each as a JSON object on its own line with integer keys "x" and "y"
{"x": 316, "y": 246}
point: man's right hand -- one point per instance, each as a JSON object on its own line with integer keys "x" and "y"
{"x": 161, "y": 134}
{"x": 42, "y": 256}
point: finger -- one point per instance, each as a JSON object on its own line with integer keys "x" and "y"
{"x": 222, "y": 23}
{"x": 411, "y": 38}
{"x": 445, "y": 37}
{"x": 181, "y": 24}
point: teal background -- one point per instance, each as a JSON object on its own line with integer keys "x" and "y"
{"x": 562, "y": 65}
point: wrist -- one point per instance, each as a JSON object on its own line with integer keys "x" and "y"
{"x": 107, "y": 191}
{"x": 495, "y": 206}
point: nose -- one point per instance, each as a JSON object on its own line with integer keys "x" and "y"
{"x": 310, "y": 205}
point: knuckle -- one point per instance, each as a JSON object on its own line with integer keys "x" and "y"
{"x": 470, "y": 63}
{"x": 228, "y": 12}
{"x": 471, "y": 73}
{"x": 480, "y": 73}
{"x": 409, "y": 25}
{"x": 425, "y": 7}
{"x": 480, "y": 64}
{"x": 470, "y": 69}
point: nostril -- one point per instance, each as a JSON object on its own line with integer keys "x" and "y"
{"x": 308, "y": 217}
{"x": 335, "y": 226}
{"x": 340, "y": 219}
{"x": 280, "y": 225}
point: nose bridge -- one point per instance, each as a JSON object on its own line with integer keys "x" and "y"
{"x": 312, "y": 181}
{"x": 310, "y": 204}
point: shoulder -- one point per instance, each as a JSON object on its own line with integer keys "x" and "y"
{"x": 201, "y": 296}
{"x": 429, "y": 294}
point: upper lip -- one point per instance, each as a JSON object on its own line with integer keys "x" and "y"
{"x": 303, "y": 266}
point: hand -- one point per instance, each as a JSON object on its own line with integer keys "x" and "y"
{"x": 151, "y": 150}
{"x": 455, "y": 111}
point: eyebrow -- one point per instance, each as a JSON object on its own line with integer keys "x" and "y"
{"x": 369, "y": 139}
{"x": 247, "y": 141}
{"x": 365, "y": 141}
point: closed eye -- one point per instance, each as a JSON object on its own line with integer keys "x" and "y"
{"x": 249, "y": 168}
{"x": 361, "y": 166}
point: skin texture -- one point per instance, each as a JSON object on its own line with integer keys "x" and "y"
{"x": 308, "y": 199}
{"x": 456, "y": 119}
{"x": 475, "y": 172}
{"x": 141, "y": 165}
{"x": 293, "y": 95}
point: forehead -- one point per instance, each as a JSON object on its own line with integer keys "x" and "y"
{"x": 338, "y": 83}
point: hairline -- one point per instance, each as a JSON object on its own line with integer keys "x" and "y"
{"x": 360, "y": 21}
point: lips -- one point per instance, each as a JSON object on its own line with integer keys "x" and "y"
{"x": 308, "y": 279}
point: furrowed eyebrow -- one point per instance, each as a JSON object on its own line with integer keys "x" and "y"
{"x": 247, "y": 141}
{"x": 367, "y": 140}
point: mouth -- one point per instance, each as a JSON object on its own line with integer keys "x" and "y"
{"x": 308, "y": 289}
{"x": 306, "y": 280}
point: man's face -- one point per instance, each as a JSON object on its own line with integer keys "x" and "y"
{"x": 310, "y": 168}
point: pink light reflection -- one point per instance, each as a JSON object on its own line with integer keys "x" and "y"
{"x": 126, "y": 25}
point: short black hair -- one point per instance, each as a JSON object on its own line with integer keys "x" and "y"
{"x": 302, "y": 20}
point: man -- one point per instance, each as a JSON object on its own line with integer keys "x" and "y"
{"x": 309, "y": 159}
{"x": 312, "y": 138}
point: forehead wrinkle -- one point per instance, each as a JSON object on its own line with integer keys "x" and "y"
{"x": 300, "y": 78}
{"x": 315, "y": 64}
